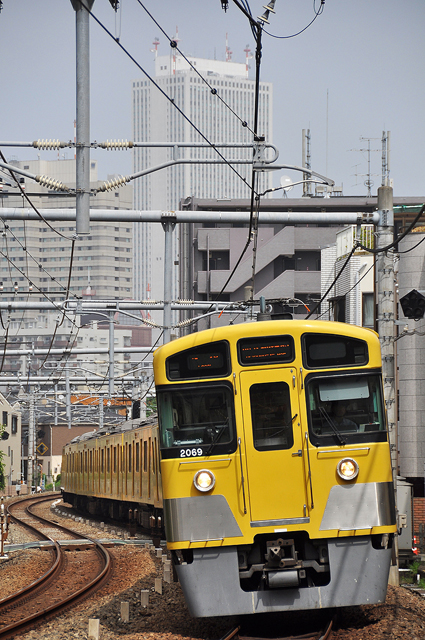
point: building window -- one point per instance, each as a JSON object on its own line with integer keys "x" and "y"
{"x": 338, "y": 308}
{"x": 14, "y": 424}
{"x": 218, "y": 261}
{"x": 367, "y": 310}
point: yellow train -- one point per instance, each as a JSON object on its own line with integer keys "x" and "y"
{"x": 275, "y": 477}
{"x": 276, "y": 472}
{"x": 116, "y": 473}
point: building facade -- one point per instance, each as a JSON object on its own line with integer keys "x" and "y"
{"x": 35, "y": 256}
{"x": 10, "y": 443}
{"x": 155, "y": 119}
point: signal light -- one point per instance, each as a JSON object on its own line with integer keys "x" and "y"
{"x": 413, "y": 305}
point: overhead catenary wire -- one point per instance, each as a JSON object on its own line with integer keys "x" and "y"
{"x": 294, "y": 35}
{"x": 166, "y": 96}
{"x": 213, "y": 90}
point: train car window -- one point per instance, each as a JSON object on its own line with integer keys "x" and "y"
{"x": 196, "y": 420}
{"x": 85, "y": 461}
{"x": 137, "y": 457}
{"x": 271, "y": 416}
{"x": 324, "y": 350}
{"x": 102, "y": 460}
{"x": 266, "y": 350}
{"x": 206, "y": 361}
{"x": 145, "y": 456}
{"x": 344, "y": 409}
{"x": 91, "y": 461}
{"x": 108, "y": 456}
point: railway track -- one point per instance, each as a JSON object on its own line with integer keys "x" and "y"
{"x": 79, "y": 566}
{"x": 238, "y": 633}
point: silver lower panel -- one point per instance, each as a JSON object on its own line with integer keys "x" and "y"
{"x": 359, "y": 506}
{"x": 359, "y": 575}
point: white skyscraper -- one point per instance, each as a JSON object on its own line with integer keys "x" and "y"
{"x": 211, "y": 108}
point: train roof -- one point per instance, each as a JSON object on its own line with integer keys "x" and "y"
{"x": 121, "y": 427}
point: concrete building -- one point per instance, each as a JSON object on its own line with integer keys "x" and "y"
{"x": 287, "y": 258}
{"x": 35, "y": 256}
{"x": 10, "y": 443}
{"x": 351, "y": 299}
{"x": 155, "y": 119}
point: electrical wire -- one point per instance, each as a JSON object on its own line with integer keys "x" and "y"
{"x": 353, "y": 287}
{"x": 397, "y": 240}
{"x": 25, "y": 196}
{"x": 412, "y": 248}
{"x": 294, "y": 35}
{"x": 204, "y": 80}
{"x": 334, "y": 281}
{"x": 167, "y": 97}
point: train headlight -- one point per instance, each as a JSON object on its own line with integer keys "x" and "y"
{"x": 347, "y": 469}
{"x": 204, "y": 480}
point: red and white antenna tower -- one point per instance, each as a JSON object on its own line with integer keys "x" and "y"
{"x": 155, "y": 47}
{"x": 228, "y": 52}
{"x": 248, "y": 56}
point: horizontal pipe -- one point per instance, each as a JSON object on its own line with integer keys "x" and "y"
{"x": 264, "y": 217}
{"x": 57, "y": 379}
{"x": 64, "y": 352}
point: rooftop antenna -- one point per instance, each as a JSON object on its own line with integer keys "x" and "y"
{"x": 368, "y": 182}
{"x": 174, "y": 44}
{"x": 155, "y": 44}
{"x": 228, "y": 52}
{"x": 385, "y": 159}
{"x": 248, "y": 56}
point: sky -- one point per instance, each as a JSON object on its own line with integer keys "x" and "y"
{"x": 357, "y": 71}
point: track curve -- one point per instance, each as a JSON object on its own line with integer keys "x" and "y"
{"x": 75, "y": 572}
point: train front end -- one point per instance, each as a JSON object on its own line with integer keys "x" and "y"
{"x": 276, "y": 469}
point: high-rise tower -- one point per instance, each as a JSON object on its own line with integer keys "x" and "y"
{"x": 155, "y": 119}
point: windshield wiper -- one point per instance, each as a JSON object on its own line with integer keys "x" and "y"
{"x": 219, "y": 431}
{"x": 332, "y": 425}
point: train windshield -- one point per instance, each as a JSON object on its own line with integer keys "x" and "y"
{"x": 199, "y": 420}
{"x": 345, "y": 408}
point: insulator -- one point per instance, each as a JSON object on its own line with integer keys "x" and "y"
{"x": 116, "y": 144}
{"x": 56, "y": 185}
{"x": 183, "y": 301}
{"x": 150, "y": 323}
{"x": 48, "y": 144}
{"x": 113, "y": 184}
{"x": 183, "y": 323}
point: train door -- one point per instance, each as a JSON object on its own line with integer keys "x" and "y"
{"x": 270, "y": 404}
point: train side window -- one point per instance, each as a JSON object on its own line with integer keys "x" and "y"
{"x": 271, "y": 416}
{"x": 129, "y": 457}
{"x": 115, "y": 459}
{"x": 137, "y": 457}
{"x": 91, "y": 461}
{"x": 145, "y": 456}
{"x": 102, "y": 460}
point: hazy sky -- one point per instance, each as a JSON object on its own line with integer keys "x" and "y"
{"x": 356, "y": 71}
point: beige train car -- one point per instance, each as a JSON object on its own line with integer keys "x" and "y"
{"x": 116, "y": 474}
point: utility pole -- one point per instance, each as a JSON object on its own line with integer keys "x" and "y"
{"x": 31, "y": 443}
{"x": 83, "y": 114}
{"x": 385, "y": 287}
